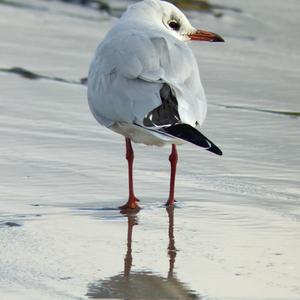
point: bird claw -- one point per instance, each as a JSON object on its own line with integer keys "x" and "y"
{"x": 131, "y": 204}
{"x": 170, "y": 203}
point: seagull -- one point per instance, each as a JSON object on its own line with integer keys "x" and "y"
{"x": 144, "y": 83}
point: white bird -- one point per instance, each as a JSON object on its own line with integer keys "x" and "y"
{"x": 144, "y": 83}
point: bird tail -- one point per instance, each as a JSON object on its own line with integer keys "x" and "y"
{"x": 192, "y": 135}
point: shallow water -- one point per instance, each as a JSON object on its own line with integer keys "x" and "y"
{"x": 62, "y": 177}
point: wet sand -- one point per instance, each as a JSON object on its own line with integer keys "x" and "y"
{"x": 234, "y": 233}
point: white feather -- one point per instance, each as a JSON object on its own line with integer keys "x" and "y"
{"x": 131, "y": 64}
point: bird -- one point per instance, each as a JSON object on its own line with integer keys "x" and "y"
{"x": 144, "y": 83}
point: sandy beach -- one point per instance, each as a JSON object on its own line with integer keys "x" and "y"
{"x": 234, "y": 233}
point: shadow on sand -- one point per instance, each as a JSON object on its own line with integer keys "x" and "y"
{"x": 143, "y": 284}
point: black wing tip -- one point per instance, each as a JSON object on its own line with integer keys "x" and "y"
{"x": 216, "y": 150}
{"x": 192, "y": 135}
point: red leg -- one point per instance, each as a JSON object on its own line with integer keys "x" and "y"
{"x": 132, "y": 200}
{"x": 173, "y": 158}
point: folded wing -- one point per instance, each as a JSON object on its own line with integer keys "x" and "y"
{"x": 152, "y": 82}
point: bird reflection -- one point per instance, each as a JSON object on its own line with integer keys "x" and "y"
{"x": 143, "y": 284}
{"x": 132, "y": 220}
{"x": 171, "y": 247}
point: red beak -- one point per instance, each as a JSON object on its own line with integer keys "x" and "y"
{"x": 201, "y": 35}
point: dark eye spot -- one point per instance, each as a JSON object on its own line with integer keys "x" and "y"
{"x": 174, "y": 25}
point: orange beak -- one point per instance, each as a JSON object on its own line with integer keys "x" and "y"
{"x": 201, "y": 35}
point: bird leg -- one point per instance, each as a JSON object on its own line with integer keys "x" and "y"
{"x": 132, "y": 200}
{"x": 173, "y": 158}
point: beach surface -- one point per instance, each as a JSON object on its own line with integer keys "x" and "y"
{"x": 235, "y": 231}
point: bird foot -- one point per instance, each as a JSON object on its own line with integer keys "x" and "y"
{"x": 131, "y": 204}
{"x": 170, "y": 203}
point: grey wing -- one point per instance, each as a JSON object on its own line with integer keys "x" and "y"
{"x": 133, "y": 75}
{"x": 115, "y": 90}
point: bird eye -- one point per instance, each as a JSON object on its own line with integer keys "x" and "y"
{"x": 174, "y": 25}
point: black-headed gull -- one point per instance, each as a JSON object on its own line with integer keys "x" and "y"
{"x": 144, "y": 82}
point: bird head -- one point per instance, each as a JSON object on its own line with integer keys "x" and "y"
{"x": 170, "y": 18}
